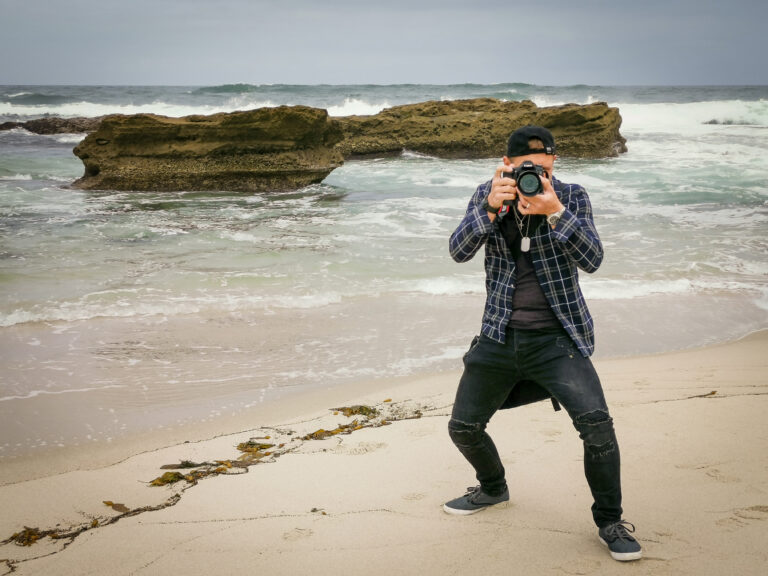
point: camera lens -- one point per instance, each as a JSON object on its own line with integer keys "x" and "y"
{"x": 529, "y": 184}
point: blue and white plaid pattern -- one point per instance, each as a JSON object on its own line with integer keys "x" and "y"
{"x": 557, "y": 254}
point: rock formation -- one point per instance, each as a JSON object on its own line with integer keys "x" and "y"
{"x": 281, "y": 148}
{"x": 292, "y": 146}
{"x": 479, "y": 128}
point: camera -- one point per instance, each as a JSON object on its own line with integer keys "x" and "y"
{"x": 528, "y": 177}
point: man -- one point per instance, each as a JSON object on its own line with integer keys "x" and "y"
{"x": 537, "y": 333}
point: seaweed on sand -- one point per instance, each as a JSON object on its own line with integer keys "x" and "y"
{"x": 253, "y": 451}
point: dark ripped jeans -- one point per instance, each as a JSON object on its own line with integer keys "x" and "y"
{"x": 550, "y": 359}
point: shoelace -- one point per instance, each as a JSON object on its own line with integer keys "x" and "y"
{"x": 473, "y": 492}
{"x": 621, "y": 530}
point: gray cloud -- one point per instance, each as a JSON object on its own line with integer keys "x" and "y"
{"x": 345, "y": 41}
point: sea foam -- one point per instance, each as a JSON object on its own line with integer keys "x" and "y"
{"x": 91, "y": 109}
{"x": 691, "y": 117}
{"x": 356, "y": 107}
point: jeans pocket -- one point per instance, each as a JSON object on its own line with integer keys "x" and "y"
{"x": 472, "y": 347}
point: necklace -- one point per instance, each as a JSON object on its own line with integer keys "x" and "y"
{"x": 525, "y": 240}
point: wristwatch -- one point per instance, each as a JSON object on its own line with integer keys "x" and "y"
{"x": 553, "y": 219}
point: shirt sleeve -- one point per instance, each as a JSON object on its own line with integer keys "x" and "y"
{"x": 576, "y": 230}
{"x": 474, "y": 228}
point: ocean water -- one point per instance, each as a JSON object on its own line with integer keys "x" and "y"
{"x": 170, "y": 309}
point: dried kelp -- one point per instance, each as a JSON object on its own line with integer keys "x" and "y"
{"x": 182, "y": 465}
{"x": 254, "y": 446}
{"x": 370, "y": 417}
{"x": 207, "y": 469}
{"x": 358, "y": 410}
{"x": 322, "y": 434}
{"x": 29, "y": 536}
{"x": 116, "y": 506}
{"x": 167, "y": 478}
{"x": 253, "y": 451}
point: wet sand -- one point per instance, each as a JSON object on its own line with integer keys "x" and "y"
{"x": 91, "y": 392}
{"x": 694, "y": 444}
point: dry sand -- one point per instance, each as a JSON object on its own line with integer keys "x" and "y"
{"x": 694, "y": 438}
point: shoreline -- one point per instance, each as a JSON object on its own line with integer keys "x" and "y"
{"x": 693, "y": 487}
{"x": 283, "y": 407}
{"x": 277, "y": 404}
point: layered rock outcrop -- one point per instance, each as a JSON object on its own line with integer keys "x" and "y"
{"x": 281, "y": 148}
{"x": 289, "y": 147}
{"x": 479, "y": 128}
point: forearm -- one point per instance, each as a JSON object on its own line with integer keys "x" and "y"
{"x": 579, "y": 239}
{"x": 473, "y": 230}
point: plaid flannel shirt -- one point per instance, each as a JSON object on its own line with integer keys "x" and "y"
{"x": 557, "y": 254}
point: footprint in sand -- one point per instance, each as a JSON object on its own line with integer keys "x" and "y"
{"x": 745, "y": 516}
{"x": 359, "y": 448}
{"x": 580, "y": 567}
{"x": 421, "y": 432}
{"x": 712, "y": 471}
{"x": 297, "y": 534}
{"x": 413, "y": 496}
{"x": 720, "y": 477}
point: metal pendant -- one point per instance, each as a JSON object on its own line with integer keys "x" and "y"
{"x": 525, "y": 244}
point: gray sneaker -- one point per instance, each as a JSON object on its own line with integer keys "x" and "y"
{"x": 622, "y": 545}
{"x": 475, "y": 500}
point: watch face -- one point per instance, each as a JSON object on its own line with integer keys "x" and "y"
{"x": 553, "y": 219}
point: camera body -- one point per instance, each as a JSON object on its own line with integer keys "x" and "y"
{"x": 528, "y": 178}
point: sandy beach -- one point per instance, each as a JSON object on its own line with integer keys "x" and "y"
{"x": 367, "y": 499}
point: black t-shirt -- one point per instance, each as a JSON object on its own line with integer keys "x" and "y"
{"x": 530, "y": 309}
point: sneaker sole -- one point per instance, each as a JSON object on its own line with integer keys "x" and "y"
{"x": 458, "y": 512}
{"x": 622, "y": 556}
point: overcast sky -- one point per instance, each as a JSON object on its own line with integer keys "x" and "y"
{"x": 555, "y": 42}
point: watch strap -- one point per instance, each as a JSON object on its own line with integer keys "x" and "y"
{"x": 487, "y": 207}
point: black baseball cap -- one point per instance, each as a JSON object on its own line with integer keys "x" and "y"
{"x": 518, "y": 141}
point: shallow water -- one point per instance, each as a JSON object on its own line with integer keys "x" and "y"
{"x": 166, "y": 309}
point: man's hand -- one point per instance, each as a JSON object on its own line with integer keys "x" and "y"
{"x": 502, "y": 189}
{"x": 545, "y": 203}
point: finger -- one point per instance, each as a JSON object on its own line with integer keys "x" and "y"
{"x": 503, "y": 171}
{"x": 500, "y": 194}
{"x": 509, "y": 184}
{"x": 503, "y": 188}
{"x": 505, "y": 197}
{"x": 525, "y": 206}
